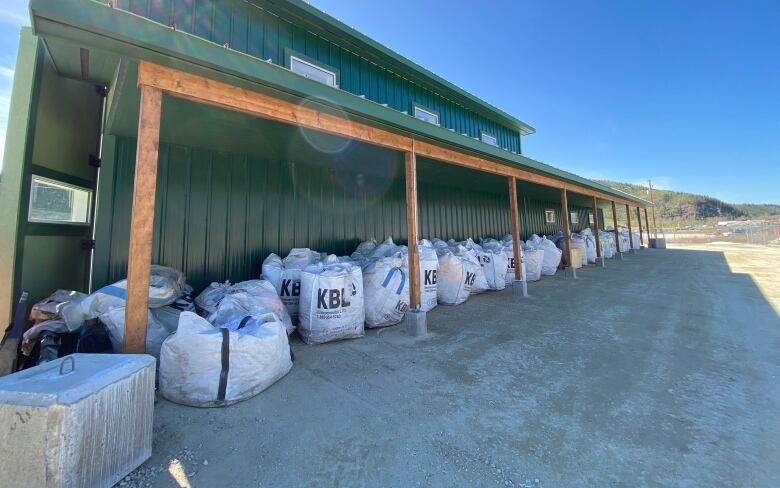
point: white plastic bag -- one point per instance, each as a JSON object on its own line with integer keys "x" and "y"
{"x": 386, "y": 291}
{"x": 252, "y": 297}
{"x": 192, "y": 360}
{"x": 454, "y": 282}
{"x": 332, "y": 305}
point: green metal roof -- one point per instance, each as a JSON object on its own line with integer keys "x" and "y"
{"x": 93, "y": 24}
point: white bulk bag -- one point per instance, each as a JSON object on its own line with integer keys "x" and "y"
{"x": 551, "y": 258}
{"x": 454, "y": 283}
{"x": 205, "y": 366}
{"x": 386, "y": 291}
{"x": 363, "y": 250}
{"x": 637, "y": 241}
{"x": 285, "y": 275}
{"x": 429, "y": 269}
{"x": 332, "y": 305}
{"x": 494, "y": 266}
{"x": 251, "y": 297}
{"x": 590, "y": 245}
{"x": 472, "y": 266}
{"x": 508, "y": 250}
{"x": 385, "y": 249}
{"x": 532, "y": 263}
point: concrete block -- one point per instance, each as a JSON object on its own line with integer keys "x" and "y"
{"x": 416, "y": 323}
{"x": 519, "y": 289}
{"x": 83, "y": 420}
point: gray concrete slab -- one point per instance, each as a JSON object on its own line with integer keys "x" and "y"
{"x": 660, "y": 370}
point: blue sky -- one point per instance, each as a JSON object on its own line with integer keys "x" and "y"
{"x": 684, "y": 92}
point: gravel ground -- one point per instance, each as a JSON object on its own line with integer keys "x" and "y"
{"x": 659, "y": 370}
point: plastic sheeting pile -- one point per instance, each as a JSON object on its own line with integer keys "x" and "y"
{"x": 206, "y": 366}
{"x": 107, "y": 304}
{"x": 222, "y": 303}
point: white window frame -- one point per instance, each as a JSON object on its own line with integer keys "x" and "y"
{"x": 294, "y": 58}
{"x": 64, "y": 185}
{"x": 591, "y": 219}
{"x": 574, "y": 218}
{"x": 417, "y": 108}
{"x": 484, "y": 134}
{"x": 547, "y": 213}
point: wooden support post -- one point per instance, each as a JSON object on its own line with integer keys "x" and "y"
{"x": 514, "y": 215}
{"x": 596, "y": 225}
{"x": 630, "y": 235}
{"x": 639, "y": 219}
{"x": 566, "y": 228}
{"x": 617, "y": 233}
{"x": 142, "y": 221}
{"x": 647, "y": 225}
{"x": 413, "y": 229}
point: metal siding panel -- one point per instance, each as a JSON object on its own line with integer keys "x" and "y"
{"x": 160, "y": 11}
{"x": 202, "y": 21}
{"x": 219, "y": 215}
{"x": 183, "y": 15}
{"x": 239, "y": 30}
{"x": 222, "y": 21}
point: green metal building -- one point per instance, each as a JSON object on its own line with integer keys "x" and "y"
{"x": 232, "y": 185}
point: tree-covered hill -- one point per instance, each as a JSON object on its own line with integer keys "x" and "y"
{"x": 674, "y": 206}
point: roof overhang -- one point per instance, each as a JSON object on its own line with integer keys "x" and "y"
{"x": 96, "y": 25}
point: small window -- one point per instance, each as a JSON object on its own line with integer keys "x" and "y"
{"x": 56, "y": 202}
{"x": 426, "y": 115}
{"x": 312, "y": 71}
{"x": 575, "y": 218}
{"x": 489, "y": 139}
{"x": 549, "y": 216}
{"x": 590, "y": 218}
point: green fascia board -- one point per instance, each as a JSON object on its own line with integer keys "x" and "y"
{"x": 334, "y": 26}
{"x": 92, "y": 23}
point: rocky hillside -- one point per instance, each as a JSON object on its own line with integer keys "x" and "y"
{"x": 674, "y": 206}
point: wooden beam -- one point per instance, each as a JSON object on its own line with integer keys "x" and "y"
{"x": 630, "y": 234}
{"x": 639, "y": 219}
{"x": 566, "y": 226}
{"x": 413, "y": 229}
{"x": 204, "y": 90}
{"x": 596, "y": 225}
{"x": 142, "y": 221}
{"x": 211, "y": 92}
{"x": 614, "y": 220}
{"x": 647, "y": 226}
{"x": 514, "y": 224}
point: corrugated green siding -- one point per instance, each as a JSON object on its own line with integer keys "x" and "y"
{"x": 456, "y": 213}
{"x": 219, "y": 215}
{"x": 261, "y": 34}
